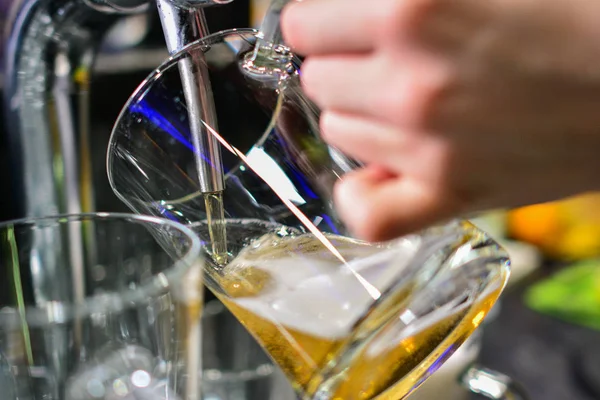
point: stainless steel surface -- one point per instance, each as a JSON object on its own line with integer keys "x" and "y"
{"x": 181, "y": 26}
{"x": 491, "y": 384}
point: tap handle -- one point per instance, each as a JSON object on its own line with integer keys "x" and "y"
{"x": 181, "y": 26}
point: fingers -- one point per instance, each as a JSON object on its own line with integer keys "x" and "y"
{"x": 316, "y": 27}
{"x": 378, "y": 206}
{"x": 421, "y": 154}
{"x": 344, "y": 83}
{"x": 400, "y": 90}
{"x": 367, "y": 140}
{"x": 332, "y": 26}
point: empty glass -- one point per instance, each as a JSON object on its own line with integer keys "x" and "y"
{"x": 344, "y": 319}
{"x": 99, "y": 307}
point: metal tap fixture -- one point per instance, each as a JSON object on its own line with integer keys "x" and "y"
{"x": 490, "y": 384}
{"x": 183, "y": 23}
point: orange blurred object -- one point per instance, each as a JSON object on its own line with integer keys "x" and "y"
{"x": 565, "y": 230}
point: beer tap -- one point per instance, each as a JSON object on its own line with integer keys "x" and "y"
{"x": 184, "y": 22}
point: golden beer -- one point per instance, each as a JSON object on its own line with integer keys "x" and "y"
{"x": 313, "y": 314}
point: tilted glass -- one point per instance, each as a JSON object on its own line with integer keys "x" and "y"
{"x": 344, "y": 319}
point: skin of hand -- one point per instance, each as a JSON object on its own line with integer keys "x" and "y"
{"x": 454, "y": 106}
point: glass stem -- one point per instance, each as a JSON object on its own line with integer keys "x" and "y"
{"x": 270, "y": 29}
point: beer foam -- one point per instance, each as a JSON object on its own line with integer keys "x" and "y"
{"x": 315, "y": 293}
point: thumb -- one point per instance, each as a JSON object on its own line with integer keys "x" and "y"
{"x": 377, "y": 205}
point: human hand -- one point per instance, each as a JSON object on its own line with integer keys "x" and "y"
{"x": 455, "y": 106}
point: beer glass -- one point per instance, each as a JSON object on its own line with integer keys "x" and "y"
{"x": 343, "y": 318}
{"x": 99, "y": 307}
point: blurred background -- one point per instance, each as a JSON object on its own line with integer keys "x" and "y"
{"x": 545, "y": 333}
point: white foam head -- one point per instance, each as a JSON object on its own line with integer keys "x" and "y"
{"x": 315, "y": 293}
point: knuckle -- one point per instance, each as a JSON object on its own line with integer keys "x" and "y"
{"x": 415, "y": 100}
{"x": 405, "y": 18}
{"x": 329, "y": 129}
{"x": 310, "y": 77}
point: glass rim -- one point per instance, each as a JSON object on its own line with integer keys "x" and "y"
{"x": 154, "y": 76}
{"x": 429, "y": 244}
{"x": 58, "y": 312}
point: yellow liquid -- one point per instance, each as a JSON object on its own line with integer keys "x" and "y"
{"x": 390, "y": 373}
{"x": 396, "y": 373}
{"x": 215, "y": 215}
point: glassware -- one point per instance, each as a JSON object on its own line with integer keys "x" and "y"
{"x": 344, "y": 319}
{"x": 99, "y": 307}
{"x": 446, "y": 381}
{"x": 235, "y": 366}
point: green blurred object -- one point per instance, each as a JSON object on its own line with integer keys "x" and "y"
{"x": 573, "y": 294}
